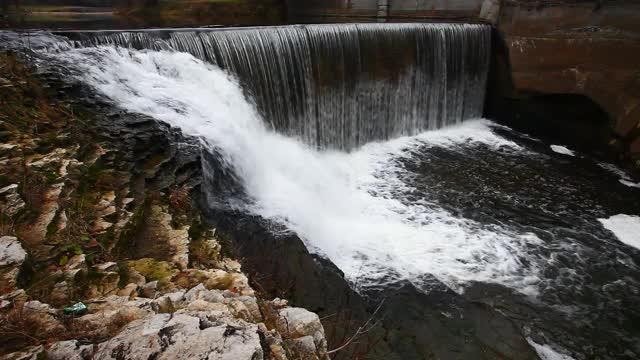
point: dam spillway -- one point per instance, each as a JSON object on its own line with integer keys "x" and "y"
{"x": 344, "y": 85}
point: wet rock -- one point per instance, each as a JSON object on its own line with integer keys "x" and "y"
{"x": 10, "y": 201}
{"x": 69, "y": 350}
{"x": 12, "y": 256}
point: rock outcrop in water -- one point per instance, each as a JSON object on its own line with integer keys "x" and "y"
{"x": 98, "y": 207}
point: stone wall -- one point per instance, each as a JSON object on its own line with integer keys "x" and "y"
{"x": 589, "y": 48}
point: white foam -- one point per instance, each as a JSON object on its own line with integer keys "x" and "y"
{"x": 629, "y": 183}
{"x": 346, "y": 206}
{"x": 547, "y": 353}
{"x": 562, "y": 150}
{"x": 625, "y": 179}
{"x": 625, "y": 227}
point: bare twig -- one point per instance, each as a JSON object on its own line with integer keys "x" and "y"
{"x": 368, "y": 325}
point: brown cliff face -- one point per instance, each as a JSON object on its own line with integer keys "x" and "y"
{"x": 589, "y": 48}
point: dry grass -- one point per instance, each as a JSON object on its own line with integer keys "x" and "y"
{"x": 179, "y": 199}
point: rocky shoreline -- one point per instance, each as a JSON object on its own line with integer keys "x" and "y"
{"x": 99, "y": 208}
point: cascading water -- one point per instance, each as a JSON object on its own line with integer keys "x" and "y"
{"x": 345, "y": 206}
{"x": 470, "y": 204}
{"x": 341, "y": 86}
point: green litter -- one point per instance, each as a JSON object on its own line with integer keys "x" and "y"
{"x": 75, "y": 309}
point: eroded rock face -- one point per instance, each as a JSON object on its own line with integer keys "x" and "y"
{"x": 186, "y": 335}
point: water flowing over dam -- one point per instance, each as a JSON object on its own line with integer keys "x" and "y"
{"x": 341, "y": 86}
{"x": 359, "y": 141}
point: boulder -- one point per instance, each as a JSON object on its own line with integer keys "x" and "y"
{"x": 149, "y": 290}
{"x": 304, "y": 330}
{"x": 69, "y": 350}
{"x": 12, "y": 256}
{"x": 183, "y": 336}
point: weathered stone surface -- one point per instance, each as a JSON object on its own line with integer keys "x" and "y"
{"x": 106, "y": 267}
{"x": 37, "y": 232}
{"x": 177, "y": 239}
{"x": 149, "y": 290}
{"x": 183, "y": 336}
{"x": 44, "y": 316}
{"x": 69, "y": 350}
{"x": 30, "y": 353}
{"x": 304, "y": 330}
{"x": 12, "y": 256}
{"x": 10, "y": 200}
{"x": 60, "y": 293}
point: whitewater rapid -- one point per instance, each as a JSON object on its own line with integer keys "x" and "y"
{"x": 354, "y": 208}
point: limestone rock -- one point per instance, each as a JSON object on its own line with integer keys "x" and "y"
{"x": 109, "y": 283}
{"x": 17, "y": 297}
{"x": 69, "y": 350}
{"x": 114, "y": 310}
{"x": 304, "y": 348}
{"x": 183, "y": 336}
{"x": 130, "y": 290}
{"x": 44, "y": 316}
{"x": 106, "y": 267}
{"x": 12, "y": 256}
{"x": 30, "y": 353}
{"x": 301, "y": 325}
{"x": 178, "y": 239}
{"x": 149, "y": 290}
{"x": 10, "y": 200}
{"x": 60, "y": 293}
{"x": 37, "y": 233}
{"x": 216, "y": 279}
{"x": 135, "y": 277}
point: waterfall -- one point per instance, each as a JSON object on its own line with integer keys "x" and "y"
{"x": 341, "y": 86}
{"x": 355, "y": 208}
